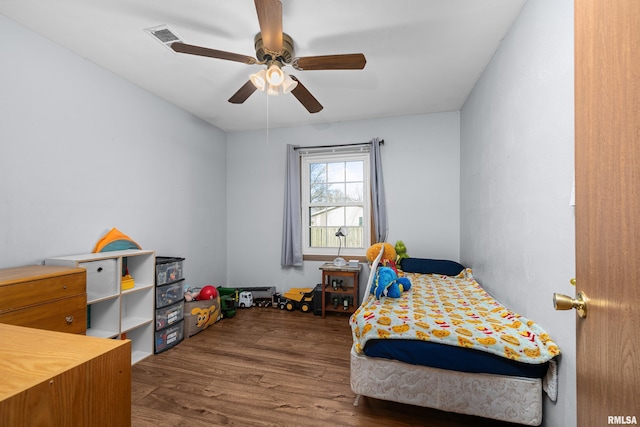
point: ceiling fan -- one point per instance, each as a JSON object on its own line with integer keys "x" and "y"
{"x": 274, "y": 48}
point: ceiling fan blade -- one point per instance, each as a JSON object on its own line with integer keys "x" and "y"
{"x": 270, "y": 19}
{"x": 243, "y": 93}
{"x": 304, "y": 96}
{"x": 212, "y": 53}
{"x": 349, "y": 61}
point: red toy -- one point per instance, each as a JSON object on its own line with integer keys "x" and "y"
{"x": 207, "y": 292}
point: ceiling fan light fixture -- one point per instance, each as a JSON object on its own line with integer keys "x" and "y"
{"x": 273, "y": 80}
{"x": 274, "y": 90}
{"x": 259, "y": 80}
{"x": 288, "y": 84}
{"x": 275, "y": 75}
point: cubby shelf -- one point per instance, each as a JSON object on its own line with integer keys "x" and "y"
{"x": 113, "y": 312}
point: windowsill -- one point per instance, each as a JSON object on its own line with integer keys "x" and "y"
{"x": 327, "y": 258}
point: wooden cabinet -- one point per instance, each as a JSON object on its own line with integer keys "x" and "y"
{"x": 117, "y": 308}
{"x": 58, "y": 379}
{"x": 339, "y": 288}
{"x": 44, "y": 297}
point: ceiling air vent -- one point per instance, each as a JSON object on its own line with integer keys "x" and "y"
{"x": 164, "y": 35}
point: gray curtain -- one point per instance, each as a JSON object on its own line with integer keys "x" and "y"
{"x": 292, "y": 226}
{"x": 378, "y": 199}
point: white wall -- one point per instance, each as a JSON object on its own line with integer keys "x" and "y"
{"x": 82, "y": 151}
{"x": 517, "y": 228}
{"x": 421, "y": 171}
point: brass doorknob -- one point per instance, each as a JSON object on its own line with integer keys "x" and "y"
{"x": 565, "y": 302}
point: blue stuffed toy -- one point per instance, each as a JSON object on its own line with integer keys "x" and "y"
{"x": 387, "y": 283}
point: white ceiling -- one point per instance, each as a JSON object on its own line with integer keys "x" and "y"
{"x": 423, "y": 56}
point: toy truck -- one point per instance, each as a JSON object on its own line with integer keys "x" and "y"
{"x": 299, "y": 299}
{"x": 245, "y": 299}
{"x": 228, "y": 301}
{"x": 278, "y": 301}
{"x": 256, "y": 296}
{"x": 249, "y": 297}
{"x": 262, "y": 296}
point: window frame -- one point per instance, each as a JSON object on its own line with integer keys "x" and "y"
{"x": 306, "y": 159}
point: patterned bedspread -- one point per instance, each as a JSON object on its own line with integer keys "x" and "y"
{"x": 455, "y": 311}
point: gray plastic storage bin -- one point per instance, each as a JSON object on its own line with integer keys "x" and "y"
{"x": 168, "y": 269}
{"x": 169, "y": 315}
{"x": 169, "y": 294}
{"x": 169, "y": 337}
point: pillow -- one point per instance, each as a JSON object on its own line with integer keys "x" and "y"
{"x": 431, "y": 266}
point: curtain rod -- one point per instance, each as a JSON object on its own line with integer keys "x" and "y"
{"x": 381, "y": 142}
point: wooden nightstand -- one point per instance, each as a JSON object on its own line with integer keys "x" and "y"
{"x": 339, "y": 288}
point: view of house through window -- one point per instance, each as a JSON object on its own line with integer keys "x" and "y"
{"x": 335, "y": 194}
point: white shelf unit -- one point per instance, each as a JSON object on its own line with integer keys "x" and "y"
{"x": 113, "y": 312}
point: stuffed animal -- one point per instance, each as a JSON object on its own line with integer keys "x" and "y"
{"x": 387, "y": 283}
{"x": 190, "y": 294}
{"x": 388, "y": 256}
{"x": 401, "y": 251}
{"x": 374, "y": 250}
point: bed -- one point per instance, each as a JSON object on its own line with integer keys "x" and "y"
{"x": 447, "y": 344}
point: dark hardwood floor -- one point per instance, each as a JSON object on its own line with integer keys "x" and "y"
{"x": 267, "y": 367}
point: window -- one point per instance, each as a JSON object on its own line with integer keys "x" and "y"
{"x": 335, "y": 193}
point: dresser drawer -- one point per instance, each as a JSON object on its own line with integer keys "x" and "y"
{"x": 28, "y": 286}
{"x": 63, "y": 315}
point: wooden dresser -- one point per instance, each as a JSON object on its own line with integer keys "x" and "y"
{"x": 58, "y": 379}
{"x": 44, "y": 297}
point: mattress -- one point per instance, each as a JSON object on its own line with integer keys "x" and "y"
{"x": 499, "y": 397}
{"x": 442, "y": 356}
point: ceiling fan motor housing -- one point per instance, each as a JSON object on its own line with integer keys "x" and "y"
{"x": 264, "y": 55}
